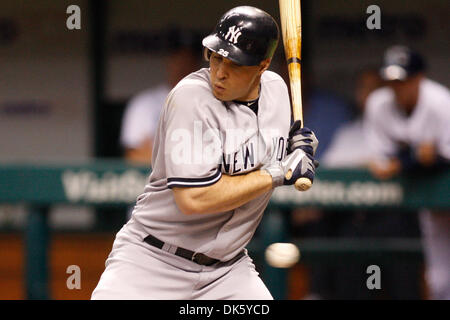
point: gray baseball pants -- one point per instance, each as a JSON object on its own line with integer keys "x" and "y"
{"x": 136, "y": 270}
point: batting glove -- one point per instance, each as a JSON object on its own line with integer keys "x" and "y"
{"x": 301, "y": 165}
{"x": 302, "y": 138}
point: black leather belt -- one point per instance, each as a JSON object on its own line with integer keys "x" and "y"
{"x": 199, "y": 258}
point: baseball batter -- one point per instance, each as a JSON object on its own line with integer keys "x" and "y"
{"x": 223, "y": 144}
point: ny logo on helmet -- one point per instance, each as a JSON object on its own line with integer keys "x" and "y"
{"x": 234, "y": 34}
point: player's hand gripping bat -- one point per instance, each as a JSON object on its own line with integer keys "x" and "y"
{"x": 291, "y": 27}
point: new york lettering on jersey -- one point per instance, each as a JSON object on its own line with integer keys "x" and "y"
{"x": 251, "y": 153}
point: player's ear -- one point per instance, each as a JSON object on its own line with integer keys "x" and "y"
{"x": 264, "y": 65}
{"x": 207, "y": 54}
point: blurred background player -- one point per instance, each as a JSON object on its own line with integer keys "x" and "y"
{"x": 407, "y": 129}
{"x": 347, "y": 148}
{"x": 346, "y": 280}
{"x": 141, "y": 115}
{"x": 142, "y": 112}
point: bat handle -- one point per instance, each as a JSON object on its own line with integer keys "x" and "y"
{"x": 302, "y": 184}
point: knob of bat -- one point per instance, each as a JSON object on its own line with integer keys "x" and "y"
{"x": 303, "y": 184}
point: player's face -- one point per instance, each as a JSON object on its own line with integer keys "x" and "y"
{"x": 406, "y": 92}
{"x": 230, "y": 81}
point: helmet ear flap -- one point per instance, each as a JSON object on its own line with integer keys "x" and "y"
{"x": 207, "y": 54}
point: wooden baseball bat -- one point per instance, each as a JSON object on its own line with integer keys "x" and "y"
{"x": 291, "y": 27}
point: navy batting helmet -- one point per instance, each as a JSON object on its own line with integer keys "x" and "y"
{"x": 401, "y": 63}
{"x": 245, "y": 35}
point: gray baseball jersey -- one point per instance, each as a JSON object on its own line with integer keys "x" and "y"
{"x": 200, "y": 138}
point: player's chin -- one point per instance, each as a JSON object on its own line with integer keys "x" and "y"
{"x": 222, "y": 96}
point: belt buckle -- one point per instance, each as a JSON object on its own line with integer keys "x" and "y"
{"x": 200, "y": 258}
{"x": 195, "y": 257}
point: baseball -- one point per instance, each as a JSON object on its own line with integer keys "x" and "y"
{"x": 282, "y": 255}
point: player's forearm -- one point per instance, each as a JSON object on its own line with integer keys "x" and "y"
{"x": 385, "y": 169}
{"x": 229, "y": 193}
